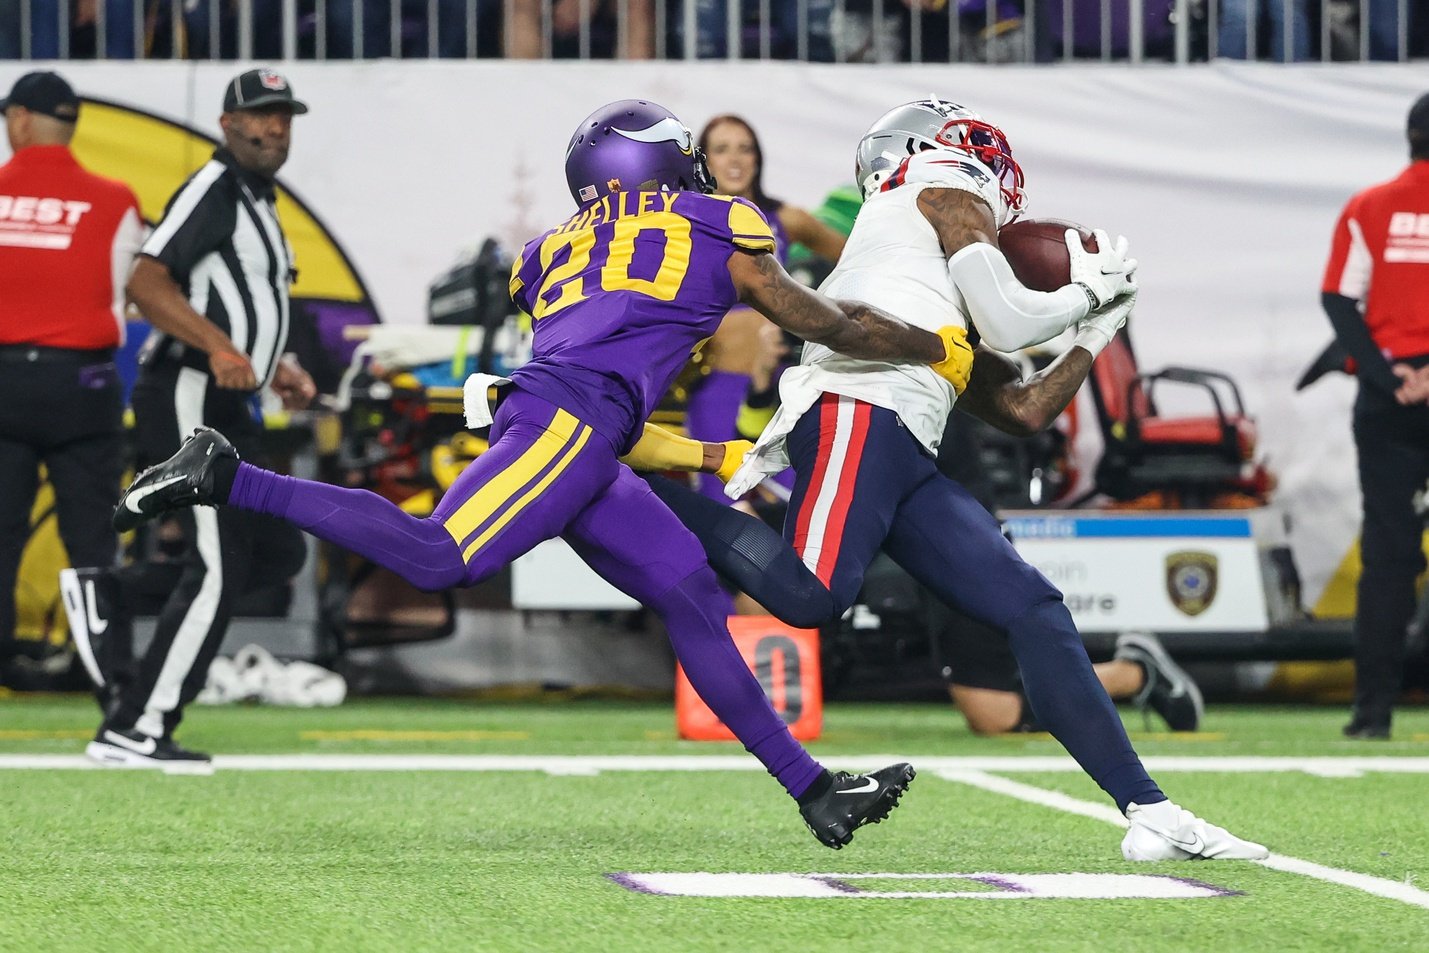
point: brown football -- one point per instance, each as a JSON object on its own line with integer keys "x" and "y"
{"x": 1037, "y": 251}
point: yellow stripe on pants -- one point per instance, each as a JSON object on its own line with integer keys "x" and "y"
{"x": 570, "y": 454}
{"x": 501, "y": 488}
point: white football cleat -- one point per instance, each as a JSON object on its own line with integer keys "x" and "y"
{"x": 1164, "y": 831}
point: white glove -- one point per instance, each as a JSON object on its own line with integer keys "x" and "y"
{"x": 1103, "y": 274}
{"x": 1095, "y": 331}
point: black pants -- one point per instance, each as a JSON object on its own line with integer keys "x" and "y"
{"x": 1393, "y": 445}
{"x": 228, "y": 552}
{"x": 63, "y": 409}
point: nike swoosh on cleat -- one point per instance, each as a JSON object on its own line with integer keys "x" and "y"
{"x": 148, "y": 747}
{"x": 869, "y": 784}
{"x": 135, "y": 497}
{"x": 1193, "y": 846}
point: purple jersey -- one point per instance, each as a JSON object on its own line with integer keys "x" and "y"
{"x": 621, "y": 293}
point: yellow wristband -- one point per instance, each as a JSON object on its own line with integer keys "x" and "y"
{"x": 658, "y": 449}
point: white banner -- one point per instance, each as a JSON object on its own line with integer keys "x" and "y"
{"x": 1163, "y": 573}
{"x": 1227, "y": 178}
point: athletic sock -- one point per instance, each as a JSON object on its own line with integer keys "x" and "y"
{"x": 1070, "y": 703}
{"x": 225, "y": 471}
{"x": 724, "y": 682}
{"x": 818, "y": 789}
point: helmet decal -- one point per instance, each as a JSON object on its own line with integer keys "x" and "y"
{"x": 668, "y": 129}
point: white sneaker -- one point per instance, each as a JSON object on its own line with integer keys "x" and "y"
{"x": 1164, "y": 831}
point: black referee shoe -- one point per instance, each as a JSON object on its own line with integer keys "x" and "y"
{"x": 854, "y": 800}
{"x": 1366, "y": 729}
{"x": 185, "y": 479}
{"x": 131, "y": 748}
{"x": 1169, "y": 691}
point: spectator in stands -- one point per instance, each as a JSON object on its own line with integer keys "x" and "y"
{"x": 199, "y": 24}
{"x": 10, "y": 29}
{"x": 376, "y": 31}
{"x": 779, "y": 32}
{"x": 737, "y": 162}
{"x": 81, "y": 41}
{"x": 608, "y": 36}
{"x": 1237, "y": 15}
{"x": 1376, "y": 294}
{"x": 1384, "y": 28}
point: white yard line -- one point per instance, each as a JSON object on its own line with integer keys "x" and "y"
{"x": 1379, "y": 886}
{"x": 972, "y": 771}
{"x": 1333, "y": 767}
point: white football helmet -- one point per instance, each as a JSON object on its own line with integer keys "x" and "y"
{"x": 937, "y": 124}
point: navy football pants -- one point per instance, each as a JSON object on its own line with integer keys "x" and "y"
{"x": 865, "y": 483}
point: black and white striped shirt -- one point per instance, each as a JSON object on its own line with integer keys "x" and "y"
{"x": 221, "y": 240}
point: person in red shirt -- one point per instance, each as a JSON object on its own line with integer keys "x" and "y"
{"x": 67, "y": 238}
{"x": 1376, "y": 293}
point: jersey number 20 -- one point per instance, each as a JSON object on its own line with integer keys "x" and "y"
{"x": 565, "y": 284}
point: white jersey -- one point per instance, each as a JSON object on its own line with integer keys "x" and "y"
{"x": 893, "y": 261}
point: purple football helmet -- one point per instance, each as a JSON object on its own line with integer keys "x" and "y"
{"x": 633, "y": 145}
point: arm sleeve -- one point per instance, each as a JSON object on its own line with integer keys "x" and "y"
{"x": 1007, "y": 314}
{"x": 1350, "y": 330}
{"x": 659, "y": 449}
{"x": 1351, "y": 263}
{"x": 127, "y": 238}
{"x": 200, "y": 218}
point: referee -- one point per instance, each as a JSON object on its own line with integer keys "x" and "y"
{"x": 67, "y": 239}
{"x": 213, "y": 280}
{"x": 1376, "y": 293}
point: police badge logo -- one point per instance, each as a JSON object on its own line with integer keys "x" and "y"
{"x": 1191, "y": 580}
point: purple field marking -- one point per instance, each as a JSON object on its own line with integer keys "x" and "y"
{"x": 842, "y": 886}
{"x": 993, "y": 880}
{"x": 634, "y": 886}
{"x": 1193, "y": 882}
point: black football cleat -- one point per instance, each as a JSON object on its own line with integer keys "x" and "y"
{"x": 854, "y": 800}
{"x": 1169, "y": 691}
{"x": 185, "y": 479}
{"x": 131, "y": 748}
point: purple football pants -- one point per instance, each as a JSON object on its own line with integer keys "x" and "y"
{"x": 548, "y": 474}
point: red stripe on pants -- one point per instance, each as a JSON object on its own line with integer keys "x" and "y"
{"x": 828, "y": 415}
{"x": 838, "y": 513}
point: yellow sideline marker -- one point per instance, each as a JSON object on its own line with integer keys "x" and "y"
{"x": 36, "y": 734}
{"x": 380, "y": 734}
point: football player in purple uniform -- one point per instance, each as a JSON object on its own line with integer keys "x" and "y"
{"x": 618, "y": 295}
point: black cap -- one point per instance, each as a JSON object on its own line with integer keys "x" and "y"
{"x": 1419, "y": 116}
{"x": 44, "y": 92}
{"x": 260, "y": 87}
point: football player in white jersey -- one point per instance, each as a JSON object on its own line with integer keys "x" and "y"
{"x": 862, "y": 435}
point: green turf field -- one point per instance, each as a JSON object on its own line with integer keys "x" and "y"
{"x": 269, "y": 853}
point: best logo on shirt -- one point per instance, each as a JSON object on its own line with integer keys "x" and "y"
{"x": 32, "y": 221}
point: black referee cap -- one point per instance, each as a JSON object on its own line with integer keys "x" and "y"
{"x": 44, "y": 92}
{"x": 260, "y": 87}
{"x": 1419, "y": 116}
